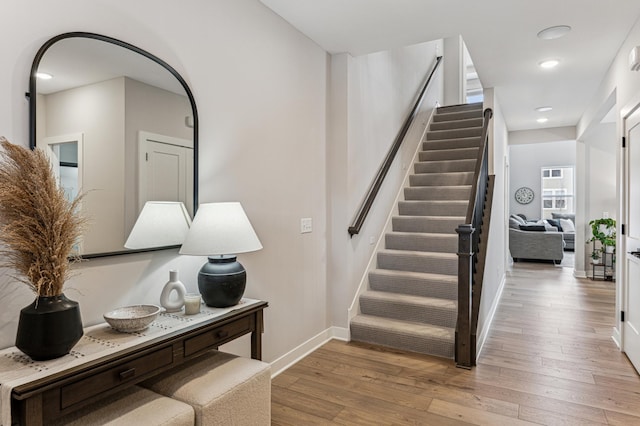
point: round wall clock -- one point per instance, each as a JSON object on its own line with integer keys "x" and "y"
{"x": 524, "y": 195}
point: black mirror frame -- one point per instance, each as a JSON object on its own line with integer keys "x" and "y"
{"x": 107, "y": 39}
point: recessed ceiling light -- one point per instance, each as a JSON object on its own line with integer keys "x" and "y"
{"x": 544, "y": 109}
{"x": 542, "y": 120}
{"x": 550, "y": 63}
{"x": 44, "y": 76}
{"x": 554, "y": 32}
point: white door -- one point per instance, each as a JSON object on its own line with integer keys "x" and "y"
{"x": 631, "y": 279}
{"x": 166, "y": 170}
{"x": 65, "y": 155}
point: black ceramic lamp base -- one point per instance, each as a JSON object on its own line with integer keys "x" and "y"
{"x": 222, "y": 281}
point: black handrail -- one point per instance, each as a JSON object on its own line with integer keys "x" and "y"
{"x": 468, "y": 247}
{"x": 386, "y": 164}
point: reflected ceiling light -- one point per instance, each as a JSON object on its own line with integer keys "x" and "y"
{"x": 554, "y": 32}
{"x": 542, "y": 120}
{"x": 549, "y": 63}
{"x": 44, "y": 76}
{"x": 544, "y": 109}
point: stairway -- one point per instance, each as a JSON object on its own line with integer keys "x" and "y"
{"x": 411, "y": 302}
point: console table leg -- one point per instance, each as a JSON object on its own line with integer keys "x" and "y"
{"x": 256, "y": 337}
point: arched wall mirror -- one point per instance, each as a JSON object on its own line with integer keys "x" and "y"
{"x": 120, "y": 125}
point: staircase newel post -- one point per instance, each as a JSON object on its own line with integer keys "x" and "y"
{"x": 465, "y": 274}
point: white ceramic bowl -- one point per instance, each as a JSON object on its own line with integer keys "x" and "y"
{"x": 132, "y": 318}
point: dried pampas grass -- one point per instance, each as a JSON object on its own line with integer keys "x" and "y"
{"x": 38, "y": 225}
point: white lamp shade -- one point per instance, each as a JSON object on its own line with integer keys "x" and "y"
{"x": 219, "y": 229}
{"x": 160, "y": 224}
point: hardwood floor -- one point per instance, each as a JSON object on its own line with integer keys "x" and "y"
{"x": 549, "y": 359}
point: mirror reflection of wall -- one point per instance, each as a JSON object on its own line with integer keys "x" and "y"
{"x": 110, "y": 95}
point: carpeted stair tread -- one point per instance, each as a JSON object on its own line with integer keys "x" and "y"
{"x": 457, "y": 123}
{"x": 454, "y": 133}
{"x": 437, "y": 193}
{"x": 466, "y": 165}
{"x": 434, "y": 145}
{"x": 422, "y": 241}
{"x": 441, "y": 179}
{"x": 418, "y": 261}
{"x": 406, "y": 307}
{"x": 433, "y": 207}
{"x": 449, "y": 154}
{"x": 427, "y": 224}
{"x": 406, "y": 335}
{"x": 461, "y": 115}
{"x": 477, "y": 106}
{"x": 426, "y": 284}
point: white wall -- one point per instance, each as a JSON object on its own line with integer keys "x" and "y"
{"x": 600, "y": 179}
{"x": 260, "y": 87}
{"x": 380, "y": 89}
{"x": 526, "y": 161}
{"x": 625, "y": 84}
{"x": 454, "y": 71}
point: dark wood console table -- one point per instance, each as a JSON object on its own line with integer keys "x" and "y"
{"x": 65, "y": 391}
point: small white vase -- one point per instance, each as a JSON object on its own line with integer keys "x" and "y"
{"x": 175, "y": 304}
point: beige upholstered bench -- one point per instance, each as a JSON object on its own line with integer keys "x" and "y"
{"x": 223, "y": 389}
{"x": 133, "y": 406}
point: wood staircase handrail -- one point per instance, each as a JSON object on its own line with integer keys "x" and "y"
{"x": 363, "y": 211}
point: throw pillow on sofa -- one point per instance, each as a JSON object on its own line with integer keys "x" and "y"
{"x": 567, "y": 225}
{"x": 537, "y": 228}
{"x": 556, "y": 223}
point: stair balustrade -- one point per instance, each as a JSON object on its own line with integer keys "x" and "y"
{"x": 471, "y": 252}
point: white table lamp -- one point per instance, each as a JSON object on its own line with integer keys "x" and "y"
{"x": 220, "y": 231}
{"x": 160, "y": 224}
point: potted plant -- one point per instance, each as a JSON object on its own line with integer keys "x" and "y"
{"x": 604, "y": 231}
{"x": 595, "y": 257}
{"x": 38, "y": 230}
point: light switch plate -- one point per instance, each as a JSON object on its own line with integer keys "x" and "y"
{"x": 306, "y": 225}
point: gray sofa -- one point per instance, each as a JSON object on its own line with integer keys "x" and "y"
{"x": 534, "y": 245}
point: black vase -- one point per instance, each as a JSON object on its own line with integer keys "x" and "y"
{"x": 49, "y": 327}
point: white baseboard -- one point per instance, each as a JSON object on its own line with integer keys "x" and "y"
{"x": 482, "y": 337}
{"x": 617, "y": 338}
{"x": 579, "y": 274}
{"x": 295, "y": 355}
